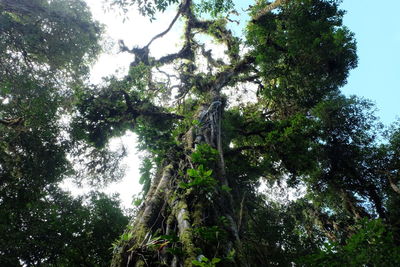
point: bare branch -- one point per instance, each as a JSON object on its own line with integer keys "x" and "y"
{"x": 168, "y": 29}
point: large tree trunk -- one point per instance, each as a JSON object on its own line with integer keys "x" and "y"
{"x": 176, "y": 225}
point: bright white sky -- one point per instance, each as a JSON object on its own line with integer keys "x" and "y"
{"x": 137, "y": 31}
{"x": 376, "y": 77}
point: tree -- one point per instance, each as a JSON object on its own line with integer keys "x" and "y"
{"x": 208, "y": 152}
{"x": 46, "y": 48}
{"x": 372, "y": 244}
{"x": 209, "y": 148}
{"x": 59, "y": 230}
{"x": 43, "y": 50}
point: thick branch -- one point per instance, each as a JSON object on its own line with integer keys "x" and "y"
{"x": 147, "y": 112}
{"x": 225, "y": 77}
{"x": 155, "y": 197}
{"x": 12, "y": 122}
{"x": 269, "y": 8}
{"x": 394, "y": 185}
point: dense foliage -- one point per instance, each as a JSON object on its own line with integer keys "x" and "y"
{"x": 209, "y": 150}
{"x": 45, "y": 51}
{"x": 253, "y": 157}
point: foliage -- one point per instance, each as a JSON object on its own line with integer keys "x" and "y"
{"x": 150, "y": 8}
{"x": 60, "y": 230}
{"x": 208, "y": 153}
{"x": 214, "y": 7}
{"x": 45, "y": 51}
{"x": 146, "y": 8}
{"x": 145, "y": 178}
{"x": 204, "y": 155}
{"x": 43, "y": 36}
{"x": 37, "y": 62}
{"x": 372, "y": 244}
{"x": 200, "y": 178}
{"x": 300, "y": 69}
{"x": 205, "y": 262}
{"x": 213, "y": 234}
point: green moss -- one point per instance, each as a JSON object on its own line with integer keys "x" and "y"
{"x": 185, "y": 236}
{"x": 198, "y": 214}
{"x": 140, "y": 263}
{"x": 186, "y": 239}
{"x": 116, "y": 260}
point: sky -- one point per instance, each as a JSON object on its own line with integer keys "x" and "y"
{"x": 377, "y": 31}
{"x": 377, "y": 77}
{"x": 135, "y": 31}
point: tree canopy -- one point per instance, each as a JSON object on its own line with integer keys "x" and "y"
{"x": 45, "y": 51}
{"x": 209, "y": 150}
{"x": 253, "y": 157}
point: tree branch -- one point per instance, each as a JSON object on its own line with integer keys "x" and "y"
{"x": 394, "y": 185}
{"x": 147, "y": 112}
{"x": 12, "y": 122}
{"x": 169, "y": 27}
{"x": 269, "y": 8}
{"x": 223, "y": 78}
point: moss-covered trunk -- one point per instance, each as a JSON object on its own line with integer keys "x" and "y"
{"x": 187, "y": 216}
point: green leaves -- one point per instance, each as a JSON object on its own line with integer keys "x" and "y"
{"x": 145, "y": 175}
{"x": 149, "y": 9}
{"x": 214, "y": 7}
{"x": 46, "y": 48}
{"x": 210, "y": 235}
{"x": 203, "y": 261}
{"x": 58, "y": 229}
{"x": 146, "y": 8}
{"x": 204, "y": 155}
{"x": 372, "y": 244}
{"x": 300, "y": 69}
{"x": 200, "y": 178}
{"x": 55, "y": 35}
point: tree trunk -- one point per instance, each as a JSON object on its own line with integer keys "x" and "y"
{"x": 176, "y": 225}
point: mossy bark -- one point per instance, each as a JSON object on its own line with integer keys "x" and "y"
{"x": 189, "y": 214}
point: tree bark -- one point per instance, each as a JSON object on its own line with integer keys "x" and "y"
{"x": 168, "y": 210}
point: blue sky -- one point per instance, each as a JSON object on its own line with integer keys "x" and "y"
{"x": 377, "y": 30}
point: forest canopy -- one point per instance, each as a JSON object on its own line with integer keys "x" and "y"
{"x": 254, "y": 156}
{"x": 46, "y": 48}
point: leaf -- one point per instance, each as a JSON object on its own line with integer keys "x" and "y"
{"x": 184, "y": 185}
{"x": 192, "y": 172}
{"x": 208, "y": 173}
{"x": 197, "y": 263}
{"x": 215, "y": 260}
{"x": 226, "y": 188}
